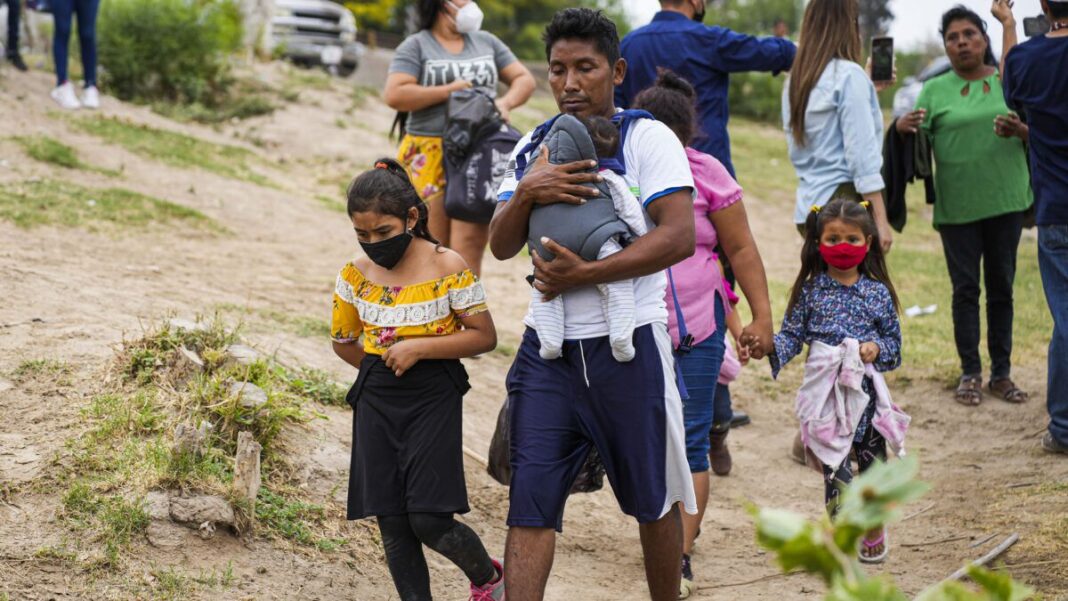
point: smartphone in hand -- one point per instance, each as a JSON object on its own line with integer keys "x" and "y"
{"x": 882, "y": 59}
{"x": 1035, "y": 26}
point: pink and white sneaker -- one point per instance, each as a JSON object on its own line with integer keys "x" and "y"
{"x": 491, "y": 591}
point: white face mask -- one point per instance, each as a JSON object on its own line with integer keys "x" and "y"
{"x": 468, "y": 18}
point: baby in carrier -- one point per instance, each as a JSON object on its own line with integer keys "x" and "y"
{"x": 600, "y": 227}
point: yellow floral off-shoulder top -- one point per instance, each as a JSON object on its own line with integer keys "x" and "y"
{"x": 385, "y": 315}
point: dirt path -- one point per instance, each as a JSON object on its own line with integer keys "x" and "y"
{"x": 282, "y": 255}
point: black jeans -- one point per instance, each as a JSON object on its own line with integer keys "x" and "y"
{"x": 13, "y": 14}
{"x": 403, "y": 537}
{"x": 992, "y": 242}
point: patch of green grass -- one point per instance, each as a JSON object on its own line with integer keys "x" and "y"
{"x": 290, "y": 518}
{"x": 170, "y": 584}
{"x": 238, "y": 108}
{"x": 128, "y": 448}
{"x": 762, "y": 162}
{"x": 111, "y": 520}
{"x": 317, "y": 385}
{"x": 138, "y": 414}
{"x": 49, "y": 150}
{"x": 921, "y": 278}
{"x": 152, "y": 361}
{"x": 174, "y": 148}
{"x": 157, "y": 349}
{"x": 309, "y": 79}
{"x": 33, "y": 368}
{"x": 58, "y": 554}
{"x": 36, "y": 203}
{"x": 211, "y": 399}
{"x": 223, "y": 579}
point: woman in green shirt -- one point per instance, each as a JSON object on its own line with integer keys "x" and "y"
{"x": 983, "y": 189}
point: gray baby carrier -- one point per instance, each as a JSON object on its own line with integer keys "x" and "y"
{"x": 582, "y": 229}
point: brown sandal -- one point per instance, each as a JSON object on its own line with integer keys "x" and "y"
{"x": 1007, "y": 390}
{"x": 969, "y": 391}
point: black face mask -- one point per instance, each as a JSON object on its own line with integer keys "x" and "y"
{"x": 388, "y": 252}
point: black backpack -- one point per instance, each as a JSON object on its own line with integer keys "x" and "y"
{"x": 477, "y": 145}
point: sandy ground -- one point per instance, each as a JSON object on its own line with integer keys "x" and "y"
{"x": 91, "y": 289}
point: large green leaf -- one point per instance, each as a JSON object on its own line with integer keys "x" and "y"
{"x": 797, "y": 542}
{"x": 1000, "y": 587}
{"x": 876, "y": 496}
{"x": 880, "y": 588}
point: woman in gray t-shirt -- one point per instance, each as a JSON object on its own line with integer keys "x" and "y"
{"x": 448, "y": 54}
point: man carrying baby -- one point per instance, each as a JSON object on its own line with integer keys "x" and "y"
{"x": 594, "y": 230}
{"x": 560, "y": 408}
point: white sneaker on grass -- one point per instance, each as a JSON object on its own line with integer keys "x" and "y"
{"x": 65, "y": 97}
{"x": 91, "y": 98}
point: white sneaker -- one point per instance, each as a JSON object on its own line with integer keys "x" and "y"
{"x": 65, "y": 97}
{"x": 91, "y": 98}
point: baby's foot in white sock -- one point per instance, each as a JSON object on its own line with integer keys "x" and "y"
{"x": 550, "y": 352}
{"x": 623, "y": 349}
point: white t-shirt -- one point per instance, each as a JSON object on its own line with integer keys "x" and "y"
{"x": 656, "y": 165}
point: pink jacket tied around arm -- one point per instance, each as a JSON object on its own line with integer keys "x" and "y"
{"x": 832, "y": 401}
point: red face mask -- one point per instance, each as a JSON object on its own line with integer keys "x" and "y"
{"x": 843, "y": 256}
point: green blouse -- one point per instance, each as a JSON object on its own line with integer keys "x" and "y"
{"x": 977, "y": 174}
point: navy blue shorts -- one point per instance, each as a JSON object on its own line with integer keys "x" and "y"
{"x": 631, "y": 412}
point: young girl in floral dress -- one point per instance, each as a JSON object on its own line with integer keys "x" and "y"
{"x": 404, "y": 315}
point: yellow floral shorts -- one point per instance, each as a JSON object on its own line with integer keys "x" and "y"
{"x": 424, "y": 159}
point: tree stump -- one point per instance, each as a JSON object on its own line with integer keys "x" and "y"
{"x": 188, "y": 439}
{"x": 247, "y": 477}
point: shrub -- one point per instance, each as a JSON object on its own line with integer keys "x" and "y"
{"x": 757, "y": 96}
{"x": 828, "y": 549}
{"x": 174, "y": 50}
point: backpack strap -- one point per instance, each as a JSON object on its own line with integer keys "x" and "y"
{"x": 622, "y": 119}
{"x": 536, "y": 139}
{"x": 685, "y": 339}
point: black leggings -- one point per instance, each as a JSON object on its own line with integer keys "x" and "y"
{"x": 403, "y": 537}
{"x": 870, "y": 447}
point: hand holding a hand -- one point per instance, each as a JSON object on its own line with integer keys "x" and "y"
{"x": 869, "y": 352}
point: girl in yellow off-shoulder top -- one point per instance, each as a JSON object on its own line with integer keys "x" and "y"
{"x": 419, "y": 309}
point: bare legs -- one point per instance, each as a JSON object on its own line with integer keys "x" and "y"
{"x": 692, "y": 523}
{"x": 437, "y": 221}
{"x": 468, "y": 239}
{"x": 529, "y": 558}
{"x": 528, "y": 555}
{"x": 662, "y": 547}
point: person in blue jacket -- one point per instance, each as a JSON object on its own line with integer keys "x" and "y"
{"x": 703, "y": 55}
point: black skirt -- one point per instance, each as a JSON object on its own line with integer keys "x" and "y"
{"x": 407, "y": 439}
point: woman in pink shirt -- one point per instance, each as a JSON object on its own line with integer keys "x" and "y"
{"x": 697, "y": 292}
